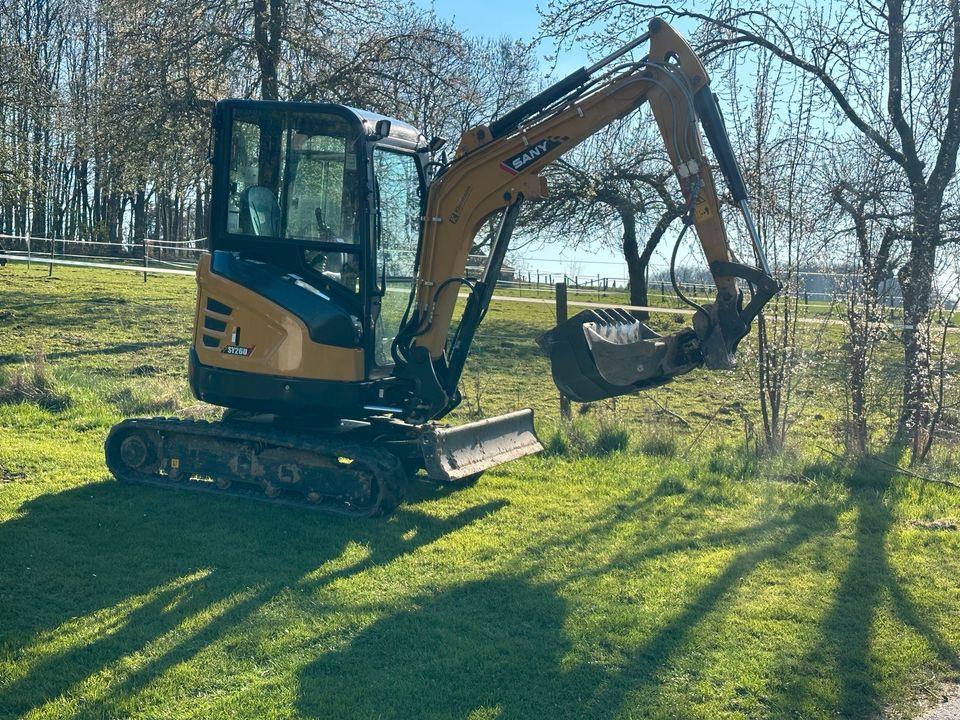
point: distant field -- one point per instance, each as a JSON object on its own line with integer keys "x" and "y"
{"x": 682, "y": 577}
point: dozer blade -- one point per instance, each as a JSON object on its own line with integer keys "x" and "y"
{"x": 455, "y": 453}
{"x": 603, "y": 353}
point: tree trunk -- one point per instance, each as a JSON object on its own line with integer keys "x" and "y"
{"x": 199, "y": 215}
{"x": 139, "y": 217}
{"x": 82, "y": 220}
{"x": 267, "y": 28}
{"x": 38, "y": 225}
{"x": 637, "y": 262}
{"x": 858, "y": 328}
{"x": 631, "y": 253}
{"x": 916, "y": 281}
{"x": 653, "y": 241}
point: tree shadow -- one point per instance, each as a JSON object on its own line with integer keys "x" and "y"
{"x": 118, "y": 567}
{"x": 499, "y": 648}
{"x": 61, "y": 312}
{"x": 16, "y": 358}
{"x": 639, "y": 676}
{"x": 847, "y": 634}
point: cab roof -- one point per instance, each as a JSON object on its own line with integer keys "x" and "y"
{"x": 399, "y": 130}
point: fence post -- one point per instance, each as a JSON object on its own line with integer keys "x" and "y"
{"x": 28, "y": 250}
{"x": 52, "y": 250}
{"x": 562, "y": 317}
{"x": 146, "y": 253}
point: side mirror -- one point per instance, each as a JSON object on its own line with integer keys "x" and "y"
{"x": 383, "y": 129}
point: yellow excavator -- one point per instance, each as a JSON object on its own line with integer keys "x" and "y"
{"x": 338, "y": 247}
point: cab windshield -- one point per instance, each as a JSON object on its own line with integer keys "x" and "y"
{"x": 293, "y": 176}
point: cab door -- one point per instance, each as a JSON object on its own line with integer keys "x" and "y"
{"x": 399, "y": 192}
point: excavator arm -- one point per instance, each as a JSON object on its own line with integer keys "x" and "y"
{"x": 598, "y": 353}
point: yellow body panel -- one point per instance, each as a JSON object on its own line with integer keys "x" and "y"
{"x": 275, "y": 341}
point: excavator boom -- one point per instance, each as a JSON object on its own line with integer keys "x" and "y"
{"x": 594, "y": 355}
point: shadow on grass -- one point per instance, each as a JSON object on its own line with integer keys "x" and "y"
{"x": 498, "y": 647}
{"x": 15, "y": 358}
{"x": 848, "y": 629}
{"x": 143, "y": 562}
{"x": 510, "y": 656}
{"x": 421, "y": 490}
{"x": 495, "y": 645}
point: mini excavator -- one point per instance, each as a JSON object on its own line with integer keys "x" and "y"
{"x": 337, "y": 251}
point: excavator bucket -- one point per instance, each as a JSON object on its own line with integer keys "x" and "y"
{"x": 603, "y": 353}
{"x": 457, "y": 453}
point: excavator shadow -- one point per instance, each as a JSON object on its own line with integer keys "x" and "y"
{"x": 102, "y": 572}
{"x": 421, "y": 489}
{"x": 501, "y": 647}
{"x": 490, "y": 648}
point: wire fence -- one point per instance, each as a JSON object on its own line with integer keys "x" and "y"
{"x": 165, "y": 258}
{"x": 173, "y": 259}
{"x": 152, "y": 254}
{"x": 149, "y": 256}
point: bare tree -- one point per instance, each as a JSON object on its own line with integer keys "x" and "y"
{"x": 891, "y": 75}
{"x": 104, "y": 107}
{"x": 617, "y": 188}
{"x": 775, "y": 128}
{"x": 866, "y": 195}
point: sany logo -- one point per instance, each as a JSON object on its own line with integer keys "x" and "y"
{"x": 515, "y": 163}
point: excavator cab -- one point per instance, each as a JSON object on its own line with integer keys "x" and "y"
{"x": 313, "y": 241}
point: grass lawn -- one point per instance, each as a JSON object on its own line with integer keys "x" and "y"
{"x": 681, "y": 577}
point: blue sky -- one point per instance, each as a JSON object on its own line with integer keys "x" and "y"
{"x": 496, "y": 18}
{"x": 491, "y": 18}
{"x": 520, "y": 20}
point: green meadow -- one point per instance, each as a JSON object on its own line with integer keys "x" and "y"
{"x": 653, "y": 563}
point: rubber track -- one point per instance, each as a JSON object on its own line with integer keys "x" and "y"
{"x": 386, "y": 468}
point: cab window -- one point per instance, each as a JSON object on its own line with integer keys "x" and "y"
{"x": 294, "y": 176}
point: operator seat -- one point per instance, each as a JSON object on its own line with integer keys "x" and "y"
{"x": 259, "y": 212}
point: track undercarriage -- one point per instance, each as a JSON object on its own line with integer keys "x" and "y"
{"x": 352, "y": 468}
